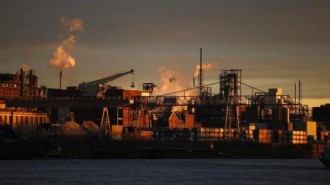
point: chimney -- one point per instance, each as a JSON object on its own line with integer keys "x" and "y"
{"x": 194, "y": 84}
{"x": 201, "y": 72}
{"x": 61, "y": 79}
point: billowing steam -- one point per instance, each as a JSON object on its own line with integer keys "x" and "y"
{"x": 62, "y": 57}
{"x": 206, "y": 67}
{"x": 25, "y": 68}
{"x": 172, "y": 81}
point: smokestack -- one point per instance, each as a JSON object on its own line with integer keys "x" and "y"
{"x": 201, "y": 72}
{"x": 295, "y": 96}
{"x": 299, "y": 99}
{"x": 194, "y": 84}
{"x": 61, "y": 79}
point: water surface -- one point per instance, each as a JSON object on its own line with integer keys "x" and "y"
{"x": 199, "y": 171}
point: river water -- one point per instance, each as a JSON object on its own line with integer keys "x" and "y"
{"x": 196, "y": 171}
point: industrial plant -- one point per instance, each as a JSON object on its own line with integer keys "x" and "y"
{"x": 96, "y": 120}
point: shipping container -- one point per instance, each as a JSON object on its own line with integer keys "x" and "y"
{"x": 297, "y": 137}
{"x": 263, "y": 135}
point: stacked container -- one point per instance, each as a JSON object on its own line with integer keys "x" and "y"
{"x": 211, "y": 134}
{"x": 278, "y": 136}
{"x": 230, "y": 133}
{"x": 182, "y": 134}
{"x": 166, "y": 134}
{"x": 297, "y": 137}
{"x": 206, "y": 134}
{"x": 246, "y": 134}
{"x": 263, "y": 135}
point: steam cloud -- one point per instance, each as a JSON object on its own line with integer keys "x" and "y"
{"x": 172, "y": 81}
{"x": 206, "y": 67}
{"x": 61, "y": 57}
{"x": 25, "y": 68}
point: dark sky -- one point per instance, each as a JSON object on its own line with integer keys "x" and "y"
{"x": 275, "y": 43}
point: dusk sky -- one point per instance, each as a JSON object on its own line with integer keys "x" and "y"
{"x": 275, "y": 42}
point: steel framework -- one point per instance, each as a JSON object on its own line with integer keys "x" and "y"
{"x": 230, "y": 91}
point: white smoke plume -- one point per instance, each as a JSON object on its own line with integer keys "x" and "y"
{"x": 172, "y": 81}
{"x": 206, "y": 67}
{"x": 62, "y": 57}
{"x": 25, "y": 68}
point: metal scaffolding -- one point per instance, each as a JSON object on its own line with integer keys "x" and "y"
{"x": 230, "y": 92}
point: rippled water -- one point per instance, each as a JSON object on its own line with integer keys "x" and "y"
{"x": 219, "y": 171}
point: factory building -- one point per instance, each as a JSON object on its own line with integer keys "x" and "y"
{"x": 23, "y": 122}
{"x": 21, "y": 84}
{"x": 9, "y": 85}
{"x": 229, "y": 110}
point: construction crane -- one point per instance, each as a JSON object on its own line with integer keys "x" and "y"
{"x": 98, "y": 87}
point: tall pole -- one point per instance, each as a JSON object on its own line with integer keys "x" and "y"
{"x": 201, "y": 72}
{"x": 61, "y": 79}
{"x": 299, "y": 99}
{"x": 295, "y": 97}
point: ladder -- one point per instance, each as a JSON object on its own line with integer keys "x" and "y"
{"x": 105, "y": 123}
